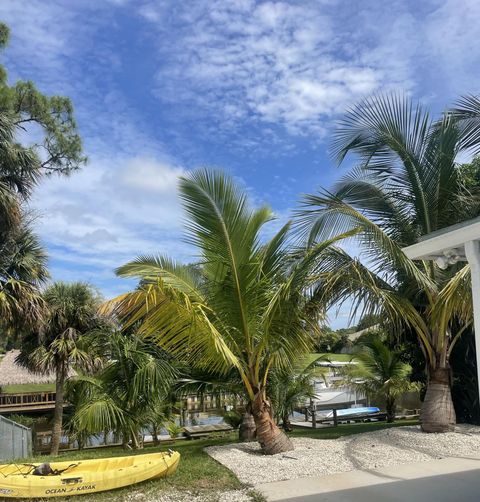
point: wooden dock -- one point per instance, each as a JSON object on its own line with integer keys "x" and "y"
{"x": 27, "y": 402}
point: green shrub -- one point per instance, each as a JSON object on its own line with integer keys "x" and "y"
{"x": 174, "y": 429}
{"x": 233, "y": 418}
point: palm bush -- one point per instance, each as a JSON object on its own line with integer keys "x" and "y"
{"x": 377, "y": 371}
{"x": 245, "y": 305}
{"x": 291, "y": 387}
{"x": 407, "y": 184}
{"x": 174, "y": 430}
{"x": 130, "y": 393}
{"x": 232, "y": 418}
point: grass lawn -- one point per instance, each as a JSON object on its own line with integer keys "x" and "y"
{"x": 198, "y": 473}
{"x": 28, "y": 387}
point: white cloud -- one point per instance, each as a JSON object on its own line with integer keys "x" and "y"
{"x": 280, "y": 62}
{"x": 110, "y": 212}
{"x": 452, "y": 35}
{"x": 300, "y": 64}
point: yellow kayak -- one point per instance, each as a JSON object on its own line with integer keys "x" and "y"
{"x": 84, "y": 476}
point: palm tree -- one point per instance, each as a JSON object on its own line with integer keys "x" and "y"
{"x": 467, "y": 114}
{"x": 71, "y": 313}
{"x": 246, "y": 305}
{"x": 377, "y": 371}
{"x": 291, "y": 387}
{"x": 22, "y": 260}
{"x": 23, "y": 269}
{"x": 19, "y": 173}
{"x": 131, "y": 391}
{"x": 407, "y": 184}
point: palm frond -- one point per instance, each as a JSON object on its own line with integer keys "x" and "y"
{"x": 467, "y": 113}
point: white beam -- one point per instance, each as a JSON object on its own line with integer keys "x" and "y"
{"x": 472, "y": 251}
{"x": 452, "y": 237}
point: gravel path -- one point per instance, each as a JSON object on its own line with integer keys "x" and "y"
{"x": 370, "y": 450}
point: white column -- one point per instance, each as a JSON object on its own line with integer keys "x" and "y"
{"x": 472, "y": 252}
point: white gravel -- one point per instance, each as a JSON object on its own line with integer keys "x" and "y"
{"x": 186, "y": 496}
{"x": 370, "y": 450}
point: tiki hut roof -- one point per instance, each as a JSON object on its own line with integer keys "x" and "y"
{"x": 12, "y": 374}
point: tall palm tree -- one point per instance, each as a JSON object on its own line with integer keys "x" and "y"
{"x": 407, "y": 184}
{"x": 22, "y": 260}
{"x": 246, "y": 305}
{"x": 71, "y": 313}
{"x": 19, "y": 173}
{"x": 379, "y": 372}
{"x": 129, "y": 393}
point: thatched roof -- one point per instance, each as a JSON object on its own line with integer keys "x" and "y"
{"x": 11, "y": 373}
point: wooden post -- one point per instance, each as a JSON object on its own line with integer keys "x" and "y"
{"x": 335, "y": 418}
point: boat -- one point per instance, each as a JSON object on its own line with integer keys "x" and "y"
{"x": 352, "y": 412}
{"x": 84, "y": 476}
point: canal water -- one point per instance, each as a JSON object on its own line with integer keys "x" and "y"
{"x": 200, "y": 418}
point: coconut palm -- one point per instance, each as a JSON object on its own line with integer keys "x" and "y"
{"x": 131, "y": 391}
{"x": 407, "y": 184}
{"x": 467, "y": 114}
{"x": 378, "y": 371}
{"x": 245, "y": 305}
{"x": 71, "y": 313}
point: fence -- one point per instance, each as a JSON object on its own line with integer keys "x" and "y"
{"x": 16, "y": 403}
{"x": 15, "y": 440}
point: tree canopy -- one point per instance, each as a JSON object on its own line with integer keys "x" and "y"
{"x": 55, "y": 142}
{"x": 38, "y": 136}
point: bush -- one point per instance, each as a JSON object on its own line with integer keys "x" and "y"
{"x": 174, "y": 429}
{"x": 25, "y": 420}
{"x": 233, "y": 418}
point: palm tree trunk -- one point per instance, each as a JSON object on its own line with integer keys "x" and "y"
{"x": 286, "y": 424}
{"x": 271, "y": 438}
{"x": 156, "y": 441}
{"x": 438, "y": 413}
{"x": 135, "y": 442}
{"x": 390, "y": 407}
{"x": 125, "y": 445}
{"x": 247, "y": 430}
{"x": 58, "y": 413}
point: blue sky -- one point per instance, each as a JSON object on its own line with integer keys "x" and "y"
{"x": 162, "y": 87}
